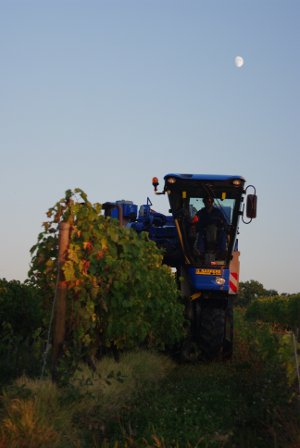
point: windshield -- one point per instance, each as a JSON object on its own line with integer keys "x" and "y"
{"x": 206, "y": 224}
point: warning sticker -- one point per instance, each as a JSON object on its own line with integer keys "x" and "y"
{"x": 207, "y": 271}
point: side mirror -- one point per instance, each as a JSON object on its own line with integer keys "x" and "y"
{"x": 251, "y": 206}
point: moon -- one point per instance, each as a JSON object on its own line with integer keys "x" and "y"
{"x": 239, "y": 61}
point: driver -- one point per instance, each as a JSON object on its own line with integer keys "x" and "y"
{"x": 210, "y": 224}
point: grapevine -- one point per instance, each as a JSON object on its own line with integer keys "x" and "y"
{"x": 119, "y": 293}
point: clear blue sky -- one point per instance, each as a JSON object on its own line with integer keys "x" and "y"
{"x": 104, "y": 95}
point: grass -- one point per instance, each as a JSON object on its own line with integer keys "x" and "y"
{"x": 190, "y": 407}
{"x": 147, "y": 400}
{"x": 208, "y": 406}
{"x": 36, "y": 413}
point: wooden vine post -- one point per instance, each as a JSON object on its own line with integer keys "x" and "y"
{"x": 59, "y": 322}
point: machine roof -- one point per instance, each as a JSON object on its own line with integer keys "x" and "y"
{"x": 205, "y": 177}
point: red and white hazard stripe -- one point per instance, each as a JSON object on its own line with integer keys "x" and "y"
{"x": 233, "y": 282}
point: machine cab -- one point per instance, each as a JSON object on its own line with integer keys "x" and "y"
{"x": 206, "y": 210}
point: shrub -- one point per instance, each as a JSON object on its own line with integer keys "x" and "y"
{"x": 282, "y": 310}
{"x": 21, "y": 317}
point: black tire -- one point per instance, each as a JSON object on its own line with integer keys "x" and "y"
{"x": 228, "y": 332}
{"x": 211, "y": 332}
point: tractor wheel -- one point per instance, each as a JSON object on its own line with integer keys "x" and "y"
{"x": 211, "y": 332}
{"x": 228, "y": 332}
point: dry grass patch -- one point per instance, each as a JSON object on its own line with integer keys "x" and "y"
{"x": 37, "y": 413}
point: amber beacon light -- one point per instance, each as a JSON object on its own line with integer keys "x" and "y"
{"x": 155, "y": 183}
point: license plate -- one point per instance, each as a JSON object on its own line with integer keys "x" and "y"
{"x": 204, "y": 271}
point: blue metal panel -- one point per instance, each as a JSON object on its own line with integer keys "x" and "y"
{"x": 129, "y": 209}
{"x": 115, "y": 213}
{"x": 204, "y": 282}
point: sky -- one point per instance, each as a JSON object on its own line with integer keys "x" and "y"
{"x": 103, "y": 95}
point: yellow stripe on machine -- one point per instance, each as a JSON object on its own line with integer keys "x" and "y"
{"x": 181, "y": 241}
{"x": 196, "y": 295}
{"x": 207, "y": 271}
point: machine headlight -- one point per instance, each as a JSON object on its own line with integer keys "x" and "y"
{"x": 171, "y": 180}
{"x": 220, "y": 281}
{"x": 237, "y": 182}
